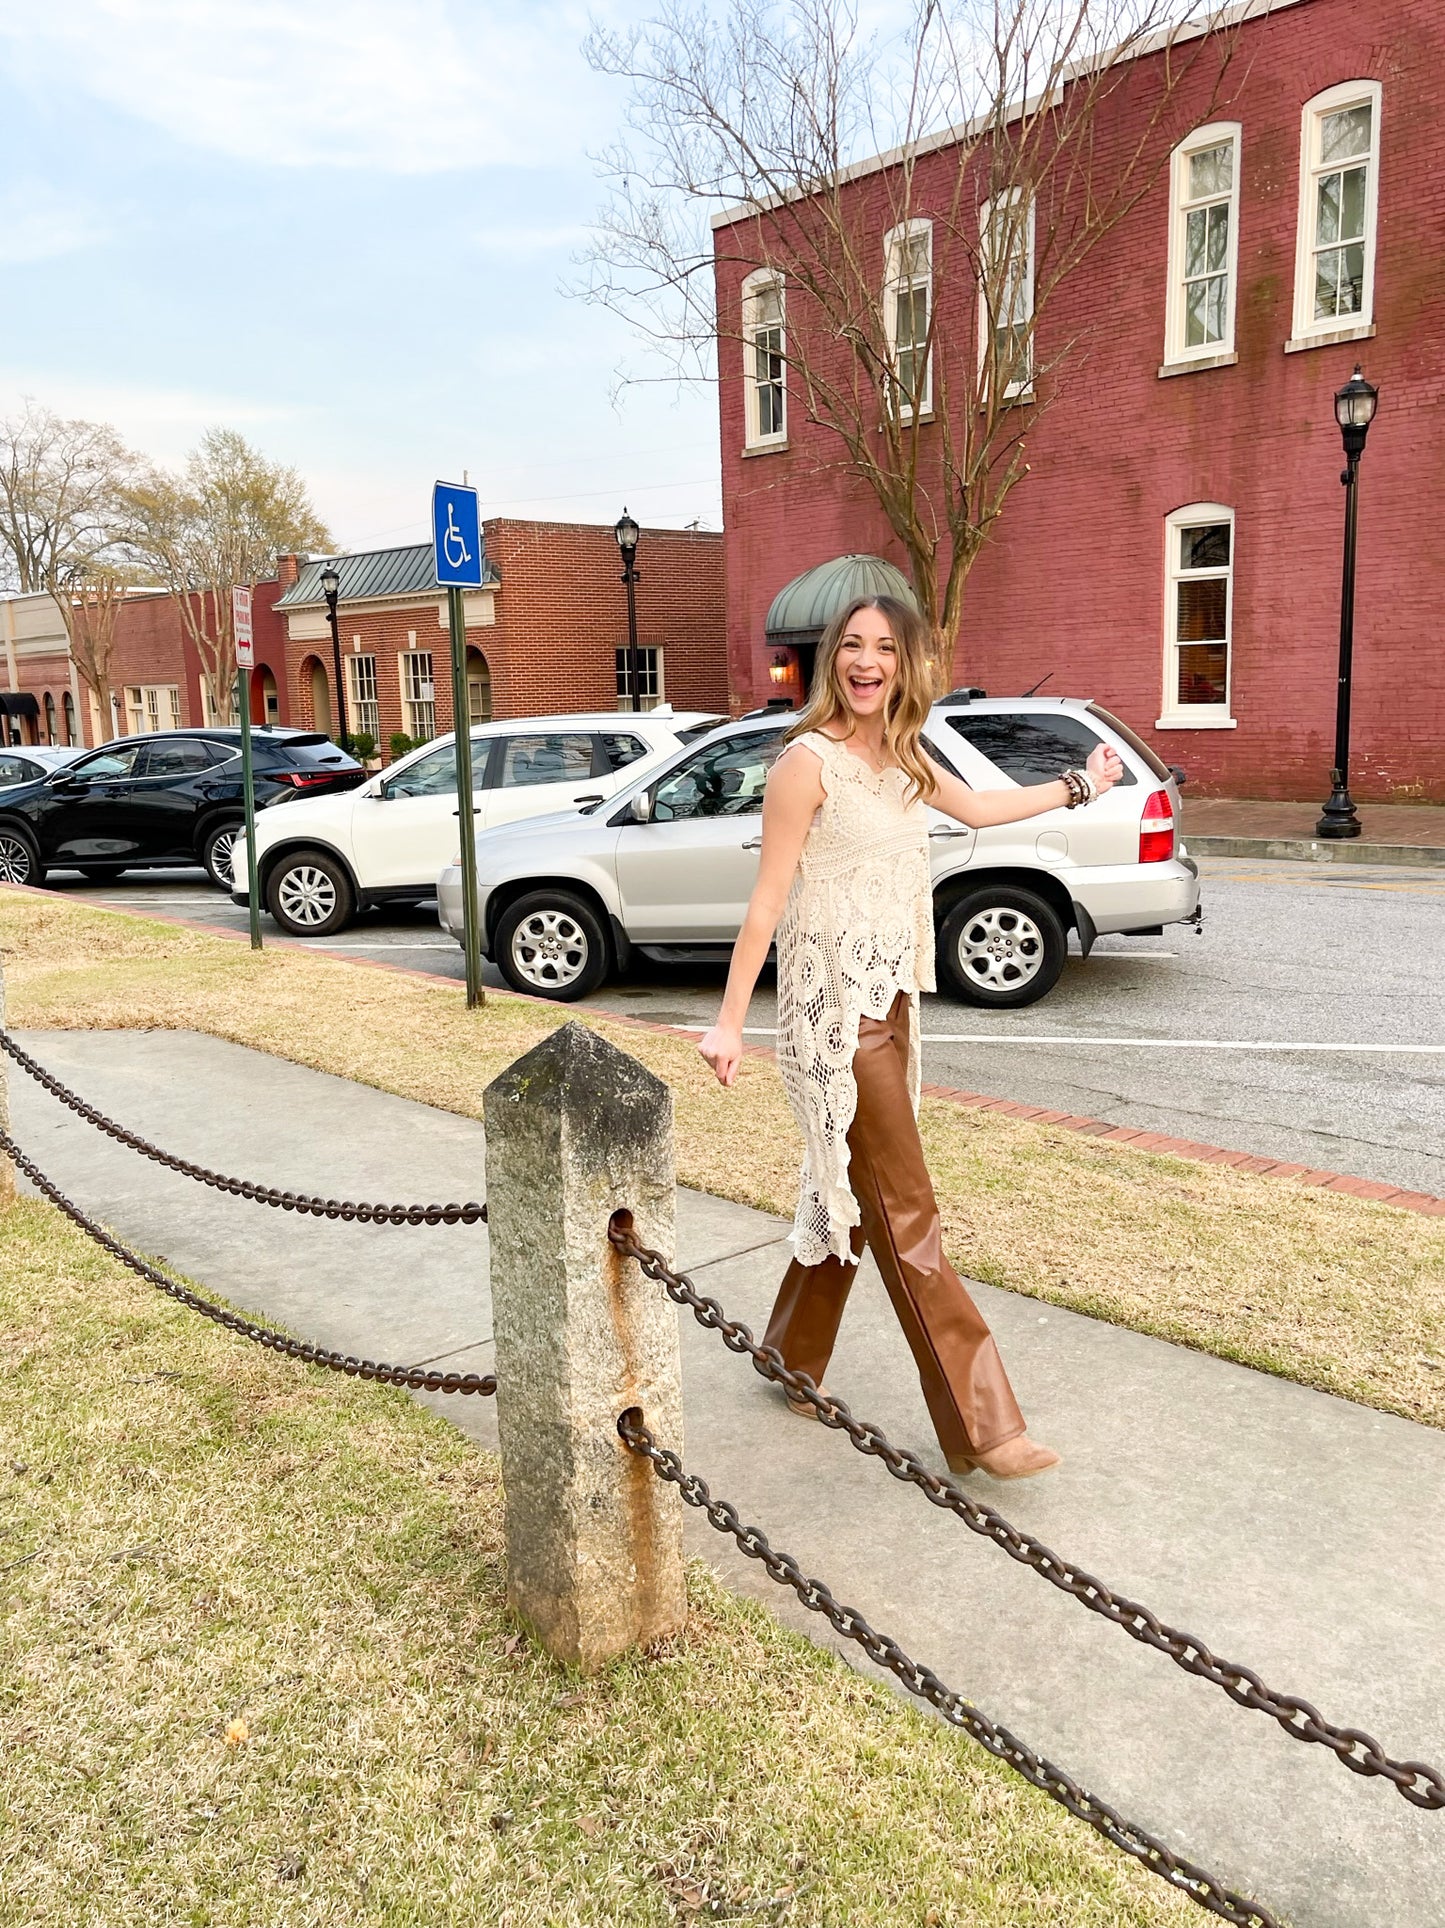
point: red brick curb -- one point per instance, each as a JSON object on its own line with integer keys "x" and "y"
{"x": 1423, "y": 1202}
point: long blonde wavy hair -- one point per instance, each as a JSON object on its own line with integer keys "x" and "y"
{"x": 910, "y": 696}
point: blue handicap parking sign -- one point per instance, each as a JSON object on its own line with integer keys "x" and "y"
{"x": 456, "y": 522}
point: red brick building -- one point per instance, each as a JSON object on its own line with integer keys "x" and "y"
{"x": 543, "y": 638}
{"x": 546, "y": 634}
{"x": 1174, "y": 550}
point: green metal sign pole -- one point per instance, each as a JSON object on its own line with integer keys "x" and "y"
{"x": 248, "y": 789}
{"x": 466, "y": 819}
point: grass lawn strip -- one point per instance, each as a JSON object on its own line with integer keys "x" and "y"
{"x": 1340, "y": 1293}
{"x": 257, "y": 1669}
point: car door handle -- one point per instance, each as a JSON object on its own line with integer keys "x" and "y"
{"x": 952, "y": 830}
{"x": 753, "y": 843}
{"x": 476, "y": 811}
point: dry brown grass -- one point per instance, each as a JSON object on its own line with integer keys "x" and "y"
{"x": 256, "y": 1672}
{"x": 1333, "y": 1291}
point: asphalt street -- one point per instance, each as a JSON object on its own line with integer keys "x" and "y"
{"x": 1306, "y": 1022}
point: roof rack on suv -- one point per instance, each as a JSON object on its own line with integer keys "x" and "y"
{"x": 773, "y": 707}
{"x": 965, "y": 695}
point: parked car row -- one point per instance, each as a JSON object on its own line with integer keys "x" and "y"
{"x": 603, "y": 836}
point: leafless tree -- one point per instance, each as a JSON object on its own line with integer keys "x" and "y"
{"x": 221, "y": 523}
{"x": 1015, "y": 134}
{"x": 62, "y": 512}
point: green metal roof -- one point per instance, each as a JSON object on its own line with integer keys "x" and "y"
{"x": 377, "y": 574}
{"x": 810, "y": 602}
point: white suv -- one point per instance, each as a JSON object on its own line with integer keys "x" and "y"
{"x": 667, "y": 867}
{"x": 320, "y": 860}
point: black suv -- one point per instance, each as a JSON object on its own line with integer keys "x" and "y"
{"x": 168, "y": 799}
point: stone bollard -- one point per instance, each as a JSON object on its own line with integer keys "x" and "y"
{"x": 577, "y": 1130}
{"x": 7, "y": 1170}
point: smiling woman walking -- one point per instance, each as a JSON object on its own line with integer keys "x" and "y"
{"x": 844, "y": 883}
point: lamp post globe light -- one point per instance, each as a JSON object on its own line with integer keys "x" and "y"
{"x": 627, "y": 533}
{"x": 330, "y": 589}
{"x": 1354, "y": 411}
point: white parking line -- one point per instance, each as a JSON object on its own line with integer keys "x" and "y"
{"x": 322, "y": 944}
{"x": 1156, "y": 1044}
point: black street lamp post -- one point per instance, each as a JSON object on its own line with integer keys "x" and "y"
{"x": 330, "y": 587}
{"x": 1354, "y": 411}
{"x": 627, "y": 533}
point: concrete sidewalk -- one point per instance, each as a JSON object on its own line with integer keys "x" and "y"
{"x": 1390, "y": 833}
{"x": 1287, "y": 1529}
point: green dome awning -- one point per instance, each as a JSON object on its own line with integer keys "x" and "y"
{"x": 807, "y": 604}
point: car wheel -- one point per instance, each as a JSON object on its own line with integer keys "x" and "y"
{"x": 19, "y": 859}
{"x": 216, "y": 854}
{"x": 310, "y": 894}
{"x": 551, "y": 944}
{"x": 1002, "y": 946}
{"x": 102, "y": 873}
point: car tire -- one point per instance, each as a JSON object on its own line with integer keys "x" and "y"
{"x": 216, "y": 853}
{"x": 19, "y": 859}
{"x": 309, "y": 894}
{"x": 1002, "y": 946}
{"x": 551, "y": 944}
{"x": 102, "y": 873}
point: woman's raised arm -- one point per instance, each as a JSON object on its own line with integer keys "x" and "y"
{"x": 981, "y": 808}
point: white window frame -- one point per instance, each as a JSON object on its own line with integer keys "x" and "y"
{"x": 363, "y": 707}
{"x": 1022, "y": 389}
{"x": 898, "y": 280}
{"x": 1177, "y": 353}
{"x": 1309, "y": 331}
{"x": 413, "y": 702}
{"x": 145, "y": 703}
{"x": 655, "y": 673}
{"x": 759, "y": 281}
{"x": 1175, "y": 715}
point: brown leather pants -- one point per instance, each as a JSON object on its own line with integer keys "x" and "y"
{"x": 969, "y": 1397}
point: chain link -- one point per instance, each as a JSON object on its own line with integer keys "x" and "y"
{"x": 1420, "y": 1783}
{"x": 418, "y": 1378}
{"x": 470, "y": 1214}
{"x": 885, "y": 1652}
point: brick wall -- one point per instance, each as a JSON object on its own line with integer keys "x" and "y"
{"x": 560, "y": 613}
{"x": 1072, "y": 581}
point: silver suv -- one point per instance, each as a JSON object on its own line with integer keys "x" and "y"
{"x": 667, "y": 865}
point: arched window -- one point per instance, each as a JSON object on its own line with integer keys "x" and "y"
{"x": 1198, "y": 617}
{"x": 49, "y": 717}
{"x": 764, "y": 372}
{"x": 1203, "y": 245}
{"x": 67, "y": 719}
{"x": 1334, "y": 277}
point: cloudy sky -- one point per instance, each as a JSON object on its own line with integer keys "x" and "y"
{"x": 340, "y": 226}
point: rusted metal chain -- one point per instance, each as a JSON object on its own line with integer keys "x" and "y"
{"x": 418, "y": 1378}
{"x": 364, "y": 1214}
{"x": 1420, "y": 1783}
{"x": 881, "y": 1648}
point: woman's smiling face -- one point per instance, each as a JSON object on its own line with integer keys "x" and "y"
{"x": 867, "y": 662}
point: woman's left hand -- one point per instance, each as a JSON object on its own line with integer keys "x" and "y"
{"x": 1105, "y": 766}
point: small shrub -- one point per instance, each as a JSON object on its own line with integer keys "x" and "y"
{"x": 399, "y": 743}
{"x": 363, "y": 745}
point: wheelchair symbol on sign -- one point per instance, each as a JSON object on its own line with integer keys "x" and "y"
{"x": 454, "y": 547}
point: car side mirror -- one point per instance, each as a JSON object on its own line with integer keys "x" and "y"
{"x": 64, "y": 779}
{"x": 640, "y": 808}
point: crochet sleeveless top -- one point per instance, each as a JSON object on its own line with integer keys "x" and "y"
{"x": 857, "y": 930}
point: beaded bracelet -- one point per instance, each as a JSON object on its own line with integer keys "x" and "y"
{"x": 1081, "y": 788}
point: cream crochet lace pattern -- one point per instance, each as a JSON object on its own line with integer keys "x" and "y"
{"x": 857, "y": 930}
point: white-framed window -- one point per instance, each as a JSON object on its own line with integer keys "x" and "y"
{"x": 365, "y": 711}
{"x": 152, "y": 706}
{"x": 908, "y": 312}
{"x": 649, "y": 679}
{"x": 1203, "y": 244}
{"x": 209, "y": 714}
{"x": 764, "y": 370}
{"x": 1006, "y": 293}
{"x": 418, "y": 695}
{"x": 1198, "y": 613}
{"x": 1334, "y": 282}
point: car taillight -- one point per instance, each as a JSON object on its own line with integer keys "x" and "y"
{"x": 1156, "y": 831}
{"x": 305, "y": 779}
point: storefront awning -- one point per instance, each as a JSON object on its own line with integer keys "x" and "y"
{"x": 18, "y": 703}
{"x": 802, "y": 610}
